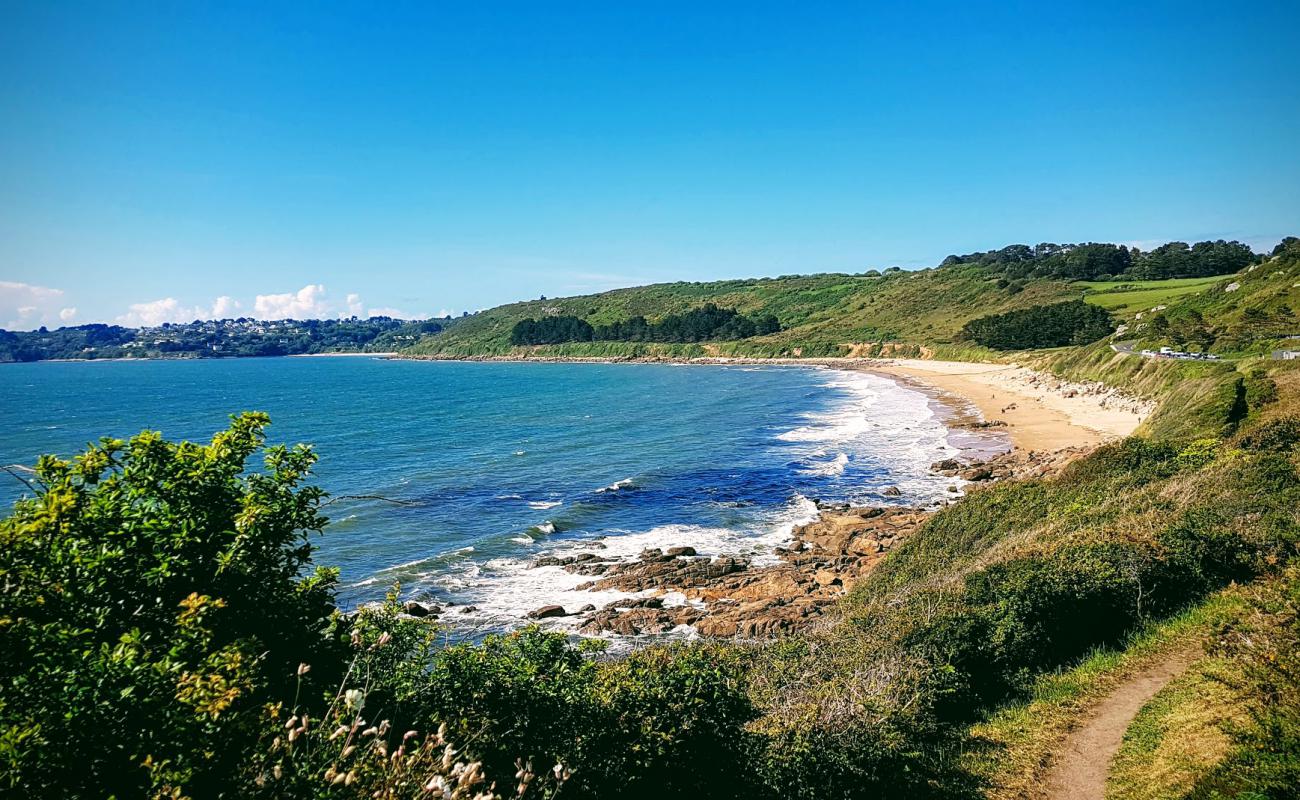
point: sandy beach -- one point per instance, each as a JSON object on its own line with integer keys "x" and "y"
{"x": 1041, "y": 412}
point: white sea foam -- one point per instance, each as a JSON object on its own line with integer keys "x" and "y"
{"x": 833, "y": 467}
{"x": 615, "y": 486}
{"x": 884, "y": 422}
{"x": 504, "y": 590}
{"x": 877, "y": 422}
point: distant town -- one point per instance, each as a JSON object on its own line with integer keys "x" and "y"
{"x": 226, "y": 338}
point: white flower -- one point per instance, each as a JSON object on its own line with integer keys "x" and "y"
{"x": 355, "y": 699}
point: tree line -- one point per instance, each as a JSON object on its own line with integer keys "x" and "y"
{"x": 701, "y": 324}
{"x": 1056, "y": 325}
{"x": 1098, "y": 261}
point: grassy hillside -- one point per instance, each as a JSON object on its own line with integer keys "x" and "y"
{"x": 820, "y": 315}
{"x": 1127, "y": 297}
{"x": 914, "y": 313}
{"x": 1248, "y": 313}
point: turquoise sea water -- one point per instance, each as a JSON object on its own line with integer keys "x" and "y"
{"x": 501, "y": 463}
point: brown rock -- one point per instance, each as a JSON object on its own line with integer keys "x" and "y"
{"x": 417, "y": 609}
{"x": 546, "y": 612}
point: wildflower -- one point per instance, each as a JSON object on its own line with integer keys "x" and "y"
{"x": 436, "y": 784}
{"x": 384, "y": 639}
{"x": 303, "y": 669}
{"x": 355, "y": 699}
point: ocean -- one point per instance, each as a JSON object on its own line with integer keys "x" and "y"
{"x": 496, "y": 464}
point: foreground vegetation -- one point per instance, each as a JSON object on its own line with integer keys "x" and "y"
{"x": 163, "y": 635}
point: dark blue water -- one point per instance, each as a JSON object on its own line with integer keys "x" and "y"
{"x": 503, "y": 462}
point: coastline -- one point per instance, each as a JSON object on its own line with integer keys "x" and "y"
{"x": 1036, "y": 411}
{"x": 1007, "y": 422}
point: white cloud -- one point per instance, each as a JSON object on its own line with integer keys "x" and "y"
{"x": 156, "y": 312}
{"x": 307, "y": 303}
{"x": 24, "y": 306}
{"x": 169, "y": 309}
{"x": 225, "y": 307}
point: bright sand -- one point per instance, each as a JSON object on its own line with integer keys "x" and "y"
{"x": 1040, "y": 413}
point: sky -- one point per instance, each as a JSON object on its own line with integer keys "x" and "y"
{"x": 167, "y": 161}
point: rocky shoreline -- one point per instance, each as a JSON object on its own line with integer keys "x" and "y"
{"x": 728, "y": 596}
{"x": 677, "y": 590}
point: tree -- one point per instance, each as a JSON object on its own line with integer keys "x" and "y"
{"x": 1057, "y": 325}
{"x": 155, "y": 599}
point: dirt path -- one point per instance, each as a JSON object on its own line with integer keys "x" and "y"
{"x": 1080, "y": 769}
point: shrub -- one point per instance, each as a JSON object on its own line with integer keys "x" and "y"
{"x": 662, "y": 722}
{"x": 154, "y": 597}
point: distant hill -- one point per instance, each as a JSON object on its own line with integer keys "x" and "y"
{"x": 820, "y": 315}
{"x": 859, "y": 314}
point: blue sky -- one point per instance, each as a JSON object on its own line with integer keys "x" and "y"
{"x": 316, "y": 159}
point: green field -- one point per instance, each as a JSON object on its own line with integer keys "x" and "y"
{"x": 1134, "y": 296}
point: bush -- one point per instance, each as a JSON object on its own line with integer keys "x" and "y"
{"x": 662, "y": 722}
{"x": 154, "y": 599}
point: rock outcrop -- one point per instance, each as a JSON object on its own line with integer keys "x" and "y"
{"x": 730, "y": 596}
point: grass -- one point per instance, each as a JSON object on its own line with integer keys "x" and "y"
{"x": 1133, "y": 296}
{"x": 1011, "y": 751}
{"x": 1178, "y": 737}
{"x": 821, "y": 315}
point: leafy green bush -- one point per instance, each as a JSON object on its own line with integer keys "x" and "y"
{"x": 661, "y": 722}
{"x": 154, "y": 597}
